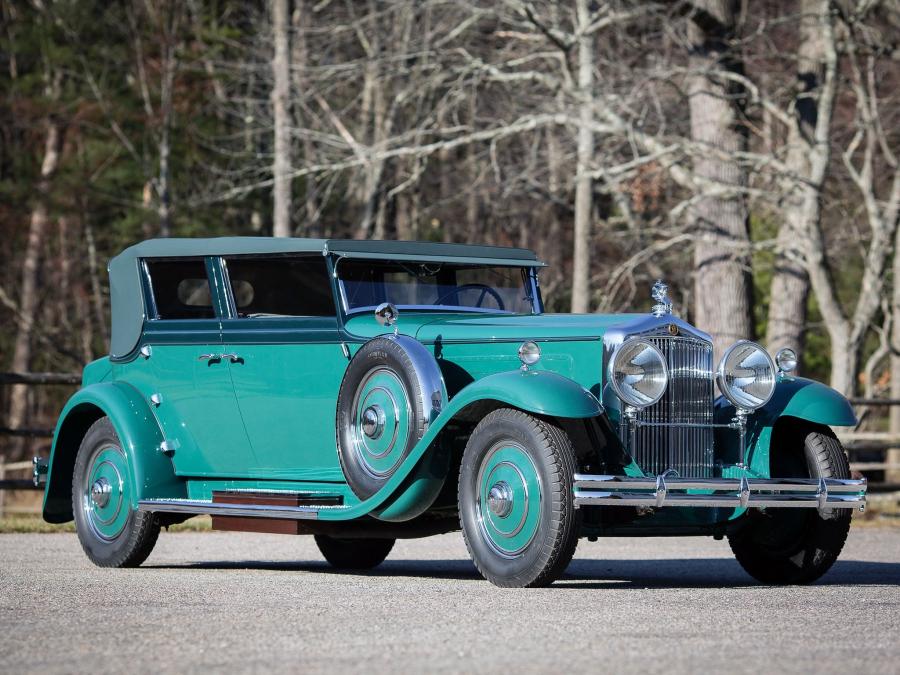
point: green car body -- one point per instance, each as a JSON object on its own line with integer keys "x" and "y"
{"x": 228, "y": 404}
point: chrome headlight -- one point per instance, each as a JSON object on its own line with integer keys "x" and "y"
{"x": 638, "y": 373}
{"x": 746, "y": 375}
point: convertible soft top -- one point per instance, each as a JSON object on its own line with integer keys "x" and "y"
{"x": 127, "y": 302}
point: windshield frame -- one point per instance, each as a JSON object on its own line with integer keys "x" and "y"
{"x": 529, "y": 280}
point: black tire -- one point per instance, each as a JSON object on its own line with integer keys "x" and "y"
{"x": 381, "y": 357}
{"x": 534, "y": 554}
{"x": 135, "y": 532}
{"x": 796, "y": 546}
{"x": 354, "y": 554}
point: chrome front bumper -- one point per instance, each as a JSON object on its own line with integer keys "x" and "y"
{"x": 666, "y": 490}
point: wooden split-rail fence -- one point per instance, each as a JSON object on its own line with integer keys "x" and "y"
{"x": 876, "y": 454}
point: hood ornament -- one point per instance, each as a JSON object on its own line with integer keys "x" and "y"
{"x": 660, "y": 293}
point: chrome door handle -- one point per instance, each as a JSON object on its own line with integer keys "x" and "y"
{"x": 234, "y": 358}
{"x": 211, "y": 357}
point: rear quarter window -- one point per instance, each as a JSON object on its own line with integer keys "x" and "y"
{"x": 180, "y": 289}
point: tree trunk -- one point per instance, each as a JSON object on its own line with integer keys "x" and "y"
{"x": 789, "y": 292}
{"x": 581, "y": 262}
{"x": 553, "y": 241}
{"x": 790, "y": 282}
{"x": 28, "y": 295}
{"x": 281, "y": 164}
{"x": 893, "y": 455}
{"x": 723, "y": 287}
{"x": 299, "y": 59}
{"x": 844, "y": 365}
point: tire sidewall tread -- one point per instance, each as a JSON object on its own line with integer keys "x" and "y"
{"x": 141, "y": 530}
{"x": 549, "y": 553}
{"x": 825, "y": 534}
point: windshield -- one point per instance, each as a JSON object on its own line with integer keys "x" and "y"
{"x": 365, "y": 284}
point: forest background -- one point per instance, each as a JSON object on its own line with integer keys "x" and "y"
{"x": 748, "y": 152}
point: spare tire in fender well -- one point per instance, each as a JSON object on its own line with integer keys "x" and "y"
{"x": 389, "y": 396}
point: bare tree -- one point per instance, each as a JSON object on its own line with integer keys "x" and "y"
{"x": 790, "y": 283}
{"x": 723, "y": 282}
{"x": 281, "y": 161}
{"x": 848, "y": 330}
{"x": 28, "y": 294}
{"x": 585, "y": 156}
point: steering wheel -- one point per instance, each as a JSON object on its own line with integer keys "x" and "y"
{"x": 485, "y": 291}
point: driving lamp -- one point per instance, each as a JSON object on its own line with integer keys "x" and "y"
{"x": 786, "y": 360}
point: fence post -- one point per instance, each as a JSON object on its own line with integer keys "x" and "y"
{"x": 2, "y": 492}
{"x": 892, "y": 458}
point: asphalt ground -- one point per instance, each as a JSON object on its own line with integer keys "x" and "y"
{"x": 211, "y": 602}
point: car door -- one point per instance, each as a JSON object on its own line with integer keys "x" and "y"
{"x": 196, "y": 404}
{"x": 284, "y": 329}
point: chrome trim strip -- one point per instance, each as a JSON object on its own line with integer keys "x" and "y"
{"x": 203, "y": 507}
{"x": 664, "y": 490}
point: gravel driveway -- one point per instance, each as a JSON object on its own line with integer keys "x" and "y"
{"x": 251, "y": 602}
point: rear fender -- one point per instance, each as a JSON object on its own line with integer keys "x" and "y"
{"x": 152, "y": 473}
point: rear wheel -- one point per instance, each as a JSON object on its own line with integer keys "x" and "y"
{"x": 111, "y": 533}
{"x": 354, "y": 554}
{"x": 796, "y": 546}
{"x": 515, "y": 499}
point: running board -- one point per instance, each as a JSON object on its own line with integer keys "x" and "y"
{"x": 667, "y": 490}
{"x": 283, "y": 506}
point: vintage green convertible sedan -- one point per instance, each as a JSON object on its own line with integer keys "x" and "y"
{"x": 364, "y": 391}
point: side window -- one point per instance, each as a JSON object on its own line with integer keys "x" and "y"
{"x": 180, "y": 289}
{"x": 280, "y": 286}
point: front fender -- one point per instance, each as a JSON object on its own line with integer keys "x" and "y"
{"x": 152, "y": 473}
{"x": 809, "y": 400}
{"x": 534, "y": 391}
{"x": 794, "y": 397}
{"x": 417, "y": 480}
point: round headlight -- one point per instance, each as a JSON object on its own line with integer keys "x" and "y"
{"x": 746, "y": 375}
{"x": 638, "y": 373}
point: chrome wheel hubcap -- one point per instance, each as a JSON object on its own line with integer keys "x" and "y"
{"x": 500, "y": 499}
{"x": 100, "y": 492}
{"x": 373, "y": 421}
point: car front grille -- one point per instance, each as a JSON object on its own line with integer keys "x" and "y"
{"x": 688, "y": 400}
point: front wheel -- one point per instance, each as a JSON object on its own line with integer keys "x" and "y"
{"x": 111, "y": 533}
{"x": 796, "y": 546}
{"x": 515, "y": 499}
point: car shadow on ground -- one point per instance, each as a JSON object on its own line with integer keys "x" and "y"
{"x": 710, "y": 573}
{"x": 586, "y": 573}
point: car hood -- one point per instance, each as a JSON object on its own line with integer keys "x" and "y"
{"x": 525, "y": 327}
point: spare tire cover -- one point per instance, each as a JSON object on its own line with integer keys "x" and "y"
{"x": 391, "y": 391}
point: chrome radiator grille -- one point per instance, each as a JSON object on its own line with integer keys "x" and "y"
{"x": 688, "y": 400}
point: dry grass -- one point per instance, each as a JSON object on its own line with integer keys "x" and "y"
{"x": 881, "y": 511}
{"x": 32, "y": 523}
